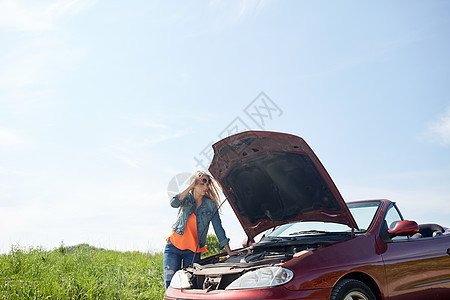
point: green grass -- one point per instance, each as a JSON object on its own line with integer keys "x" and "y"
{"x": 80, "y": 272}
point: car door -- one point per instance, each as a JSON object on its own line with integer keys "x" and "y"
{"x": 416, "y": 268}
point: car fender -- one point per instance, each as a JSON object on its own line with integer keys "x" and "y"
{"x": 324, "y": 267}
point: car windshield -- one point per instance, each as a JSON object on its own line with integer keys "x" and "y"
{"x": 362, "y": 212}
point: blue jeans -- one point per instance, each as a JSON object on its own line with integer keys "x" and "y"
{"x": 172, "y": 259}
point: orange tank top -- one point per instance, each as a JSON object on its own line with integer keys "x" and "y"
{"x": 189, "y": 239}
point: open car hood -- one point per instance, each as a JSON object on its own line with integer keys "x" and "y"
{"x": 273, "y": 178}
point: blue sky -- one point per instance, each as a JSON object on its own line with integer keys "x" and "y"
{"x": 102, "y": 104}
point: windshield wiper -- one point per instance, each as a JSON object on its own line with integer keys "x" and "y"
{"x": 309, "y": 232}
{"x": 314, "y": 232}
{"x": 278, "y": 238}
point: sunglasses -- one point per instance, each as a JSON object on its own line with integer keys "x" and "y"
{"x": 204, "y": 180}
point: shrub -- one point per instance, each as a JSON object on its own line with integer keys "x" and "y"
{"x": 212, "y": 244}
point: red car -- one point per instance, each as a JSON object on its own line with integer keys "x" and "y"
{"x": 315, "y": 246}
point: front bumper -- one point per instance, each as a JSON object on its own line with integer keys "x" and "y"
{"x": 279, "y": 292}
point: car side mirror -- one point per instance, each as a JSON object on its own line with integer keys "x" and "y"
{"x": 404, "y": 228}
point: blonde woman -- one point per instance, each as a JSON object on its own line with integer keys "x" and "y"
{"x": 198, "y": 206}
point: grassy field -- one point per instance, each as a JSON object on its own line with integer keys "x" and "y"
{"x": 80, "y": 272}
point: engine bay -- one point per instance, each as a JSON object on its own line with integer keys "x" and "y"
{"x": 217, "y": 272}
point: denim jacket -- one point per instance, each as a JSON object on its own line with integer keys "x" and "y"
{"x": 206, "y": 212}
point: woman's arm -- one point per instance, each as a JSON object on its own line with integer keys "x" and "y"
{"x": 218, "y": 229}
{"x": 220, "y": 233}
{"x": 184, "y": 193}
{"x": 178, "y": 199}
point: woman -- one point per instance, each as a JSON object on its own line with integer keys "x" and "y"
{"x": 198, "y": 206}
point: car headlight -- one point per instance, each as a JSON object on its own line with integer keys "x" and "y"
{"x": 264, "y": 277}
{"x": 181, "y": 280}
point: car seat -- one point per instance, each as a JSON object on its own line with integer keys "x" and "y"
{"x": 430, "y": 230}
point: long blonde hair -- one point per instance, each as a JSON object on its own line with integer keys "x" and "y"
{"x": 212, "y": 192}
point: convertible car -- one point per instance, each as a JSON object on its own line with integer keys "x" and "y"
{"x": 311, "y": 244}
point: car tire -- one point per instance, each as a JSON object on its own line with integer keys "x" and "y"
{"x": 351, "y": 289}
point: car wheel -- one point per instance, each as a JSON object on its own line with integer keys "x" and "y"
{"x": 351, "y": 289}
